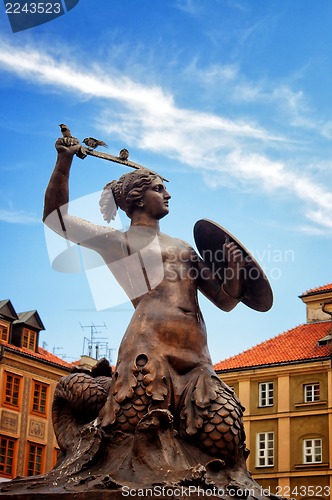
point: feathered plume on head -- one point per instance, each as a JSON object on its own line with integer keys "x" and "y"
{"x": 125, "y": 192}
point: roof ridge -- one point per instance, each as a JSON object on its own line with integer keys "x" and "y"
{"x": 283, "y": 347}
{"x": 327, "y": 286}
{"x": 45, "y": 356}
{"x": 261, "y": 343}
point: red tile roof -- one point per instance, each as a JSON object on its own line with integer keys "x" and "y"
{"x": 48, "y": 356}
{"x": 41, "y": 355}
{"x": 320, "y": 289}
{"x": 298, "y": 344}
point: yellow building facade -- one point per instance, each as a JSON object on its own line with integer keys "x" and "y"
{"x": 285, "y": 383}
{"x": 28, "y": 376}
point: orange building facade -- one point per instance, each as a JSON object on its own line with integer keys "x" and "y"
{"x": 28, "y": 376}
{"x": 285, "y": 383}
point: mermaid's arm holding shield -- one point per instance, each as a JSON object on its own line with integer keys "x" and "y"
{"x": 225, "y": 293}
{"x": 229, "y": 274}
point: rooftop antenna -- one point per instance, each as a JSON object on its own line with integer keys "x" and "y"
{"x": 56, "y": 349}
{"x": 94, "y": 343}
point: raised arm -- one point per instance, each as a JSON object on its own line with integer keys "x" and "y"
{"x": 56, "y": 215}
{"x": 57, "y": 191}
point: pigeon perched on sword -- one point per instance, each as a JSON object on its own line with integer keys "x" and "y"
{"x": 124, "y": 154}
{"x": 93, "y": 143}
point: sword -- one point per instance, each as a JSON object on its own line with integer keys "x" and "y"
{"x": 83, "y": 152}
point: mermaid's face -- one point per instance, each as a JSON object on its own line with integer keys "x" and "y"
{"x": 155, "y": 199}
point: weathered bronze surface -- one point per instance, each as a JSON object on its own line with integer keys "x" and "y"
{"x": 164, "y": 419}
{"x": 209, "y": 238}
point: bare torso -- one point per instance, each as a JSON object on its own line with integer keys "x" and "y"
{"x": 167, "y": 321}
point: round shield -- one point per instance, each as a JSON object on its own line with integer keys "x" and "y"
{"x": 210, "y": 238}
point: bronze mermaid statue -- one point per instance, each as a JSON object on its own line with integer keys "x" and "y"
{"x": 163, "y": 416}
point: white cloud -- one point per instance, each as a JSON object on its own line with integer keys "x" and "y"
{"x": 290, "y": 104}
{"x": 326, "y": 129}
{"x": 39, "y": 67}
{"x": 152, "y": 120}
{"x": 314, "y": 230}
{"x": 320, "y": 217}
{"x": 18, "y": 217}
{"x": 213, "y": 74}
{"x": 152, "y": 104}
{"x": 272, "y": 175}
{"x": 191, "y": 7}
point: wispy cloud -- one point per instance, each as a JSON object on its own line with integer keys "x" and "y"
{"x": 256, "y": 170}
{"x": 150, "y": 119}
{"x": 192, "y": 7}
{"x": 153, "y": 102}
{"x": 314, "y": 230}
{"x": 292, "y": 104}
{"x": 18, "y": 217}
{"x": 214, "y": 74}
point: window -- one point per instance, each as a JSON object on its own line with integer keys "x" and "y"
{"x": 7, "y": 456}
{"x": 35, "y": 463}
{"x": 4, "y": 331}
{"x": 39, "y": 398}
{"x": 312, "y": 451}
{"x": 12, "y": 390}
{"x": 265, "y": 394}
{"x": 311, "y": 393}
{"x": 29, "y": 339}
{"x": 265, "y": 449}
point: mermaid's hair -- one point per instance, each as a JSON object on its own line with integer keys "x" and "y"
{"x": 125, "y": 193}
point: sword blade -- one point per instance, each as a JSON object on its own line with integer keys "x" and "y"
{"x": 83, "y": 152}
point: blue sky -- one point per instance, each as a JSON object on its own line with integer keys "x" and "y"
{"x": 229, "y": 100}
